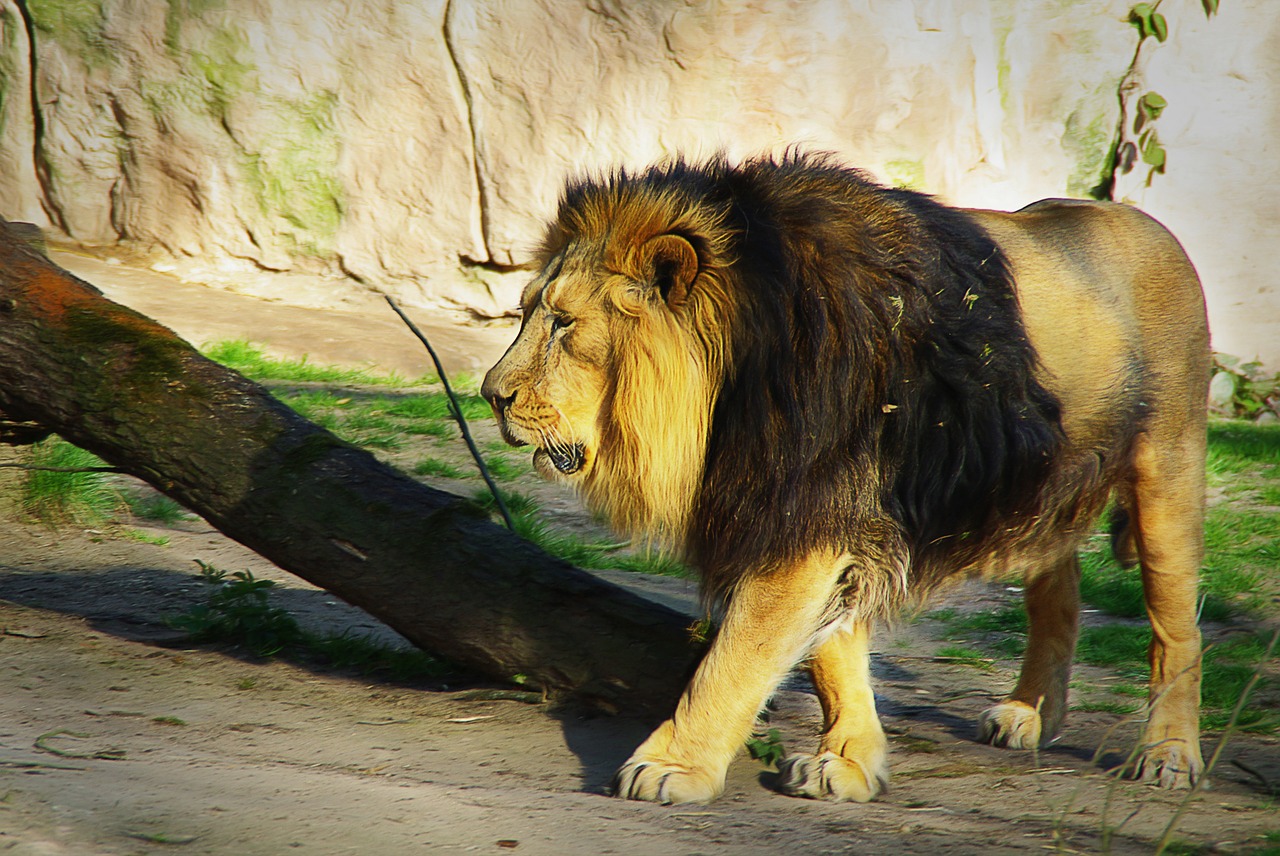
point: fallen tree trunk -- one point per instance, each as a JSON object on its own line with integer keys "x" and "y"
{"x": 425, "y": 562}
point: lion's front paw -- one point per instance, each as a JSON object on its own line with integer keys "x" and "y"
{"x": 1172, "y": 763}
{"x": 1012, "y": 724}
{"x": 832, "y": 776}
{"x": 655, "y": 780}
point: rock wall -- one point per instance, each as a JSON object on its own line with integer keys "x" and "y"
{"x": 415, "y": 146}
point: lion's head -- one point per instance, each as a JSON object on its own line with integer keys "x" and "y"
{"x": 613, "y": 376}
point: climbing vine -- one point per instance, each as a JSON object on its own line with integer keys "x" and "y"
{"x": 1137, "y": 139}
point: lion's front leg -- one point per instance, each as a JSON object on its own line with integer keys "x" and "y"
{"x": 769, "y": 623}
{"x": 852, "y": 759}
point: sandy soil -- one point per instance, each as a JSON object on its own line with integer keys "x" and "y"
{"x": 118, "y": 737}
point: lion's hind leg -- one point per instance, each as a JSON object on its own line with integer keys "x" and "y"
{"x": 1032, "y": 714}
{"x": 852, "y": 758}
{"x": 1169, "y": 511}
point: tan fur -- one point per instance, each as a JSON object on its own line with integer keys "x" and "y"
{"x": 1106, "y": 296}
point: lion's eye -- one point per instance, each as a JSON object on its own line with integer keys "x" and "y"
{"x": 560, "y": 322}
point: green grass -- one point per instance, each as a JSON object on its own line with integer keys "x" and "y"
{"x": 1236, "y": 447}
{"x": 651, "y": 562}
{"x": 144, "y": 538}
{"x": 1120, "y": 646}
{"x": 964, "y": 656}
{"x": 1120, "y": 708}
{"x": 1001, "y": 632}
{"x": 80, "y": 498}
{"x": 382, "y": 422}
{"x": 435, "y": 405}
{"x": 599, "y": 555}
{"x": 438, "y": 469}
{"x": 1009, "y": 619}
{"x": 503, "y": 468}
{"x": 169, "y": 720}
{"x": 156, "y": 507}
{"x": 1228, "y": 667}
{"x": 1242, "y": 540}
{"x": 250, "y": 360}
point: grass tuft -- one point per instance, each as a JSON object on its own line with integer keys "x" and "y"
{"x": 83, "y": 498}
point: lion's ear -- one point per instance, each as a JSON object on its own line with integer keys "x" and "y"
{"x": 674, "y": 265}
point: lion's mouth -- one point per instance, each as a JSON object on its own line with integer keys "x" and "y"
{"x": 566, "y": 460}
{"x": 560, "y": 458}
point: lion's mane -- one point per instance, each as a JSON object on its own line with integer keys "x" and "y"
{"x": 849, "y": 368}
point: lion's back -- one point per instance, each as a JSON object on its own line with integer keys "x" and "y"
{"x": 1113, "y": 307}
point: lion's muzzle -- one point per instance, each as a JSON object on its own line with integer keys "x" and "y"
{"x": 551, "y": 458}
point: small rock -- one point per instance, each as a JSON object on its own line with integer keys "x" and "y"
{"x": 1222, "y": 389}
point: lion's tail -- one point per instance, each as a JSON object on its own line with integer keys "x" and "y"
{"x": 1124, "y": 546}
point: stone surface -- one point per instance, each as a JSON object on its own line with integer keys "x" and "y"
{"x": 416, "y": 147}
{"x": 19, "y": 190}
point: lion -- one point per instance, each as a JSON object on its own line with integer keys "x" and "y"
{"x": 831, "y": 397}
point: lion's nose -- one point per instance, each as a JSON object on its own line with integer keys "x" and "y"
{"x": 492, "y": 393}
{"x": 501, "y": 402}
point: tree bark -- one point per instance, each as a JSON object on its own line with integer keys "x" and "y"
{"x": 425, "y": 562}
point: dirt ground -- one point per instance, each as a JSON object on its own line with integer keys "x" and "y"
{"x": 119, "y": 737}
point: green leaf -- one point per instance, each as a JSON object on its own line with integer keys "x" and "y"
{"x": 1140, "y": 17}
{"x": 767, "y": 748}
{"x": 1152, "y": 105}
{"x": 1210, "y": 7}
{"x": 1153, "y": 153}
{"x": 1159, "y": 27}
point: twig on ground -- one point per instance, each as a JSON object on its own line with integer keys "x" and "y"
{"x": 42, "y": 743}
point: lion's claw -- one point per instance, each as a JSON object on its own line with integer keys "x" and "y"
{"x": 1011, "y": 724}
{"x": 1170, "y": 764}
{"x": 665, "y": 782}
{"x": 831, "y": 776}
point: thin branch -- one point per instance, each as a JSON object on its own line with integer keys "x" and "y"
{"x": 457, "y": 413}
{"x": 63, "y": 469}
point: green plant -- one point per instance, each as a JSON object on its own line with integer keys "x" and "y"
{"x": 238, "y": 612}
{"x": 767, "y": 748}
{"x": 1120, "y": 708}
{"x": 369, "y": 656}
{"x": 168, "y": 720}
{"x": 1136, "y": 137}
{"x": 1243, "y": 389}
{"x": 650, "y": 562}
